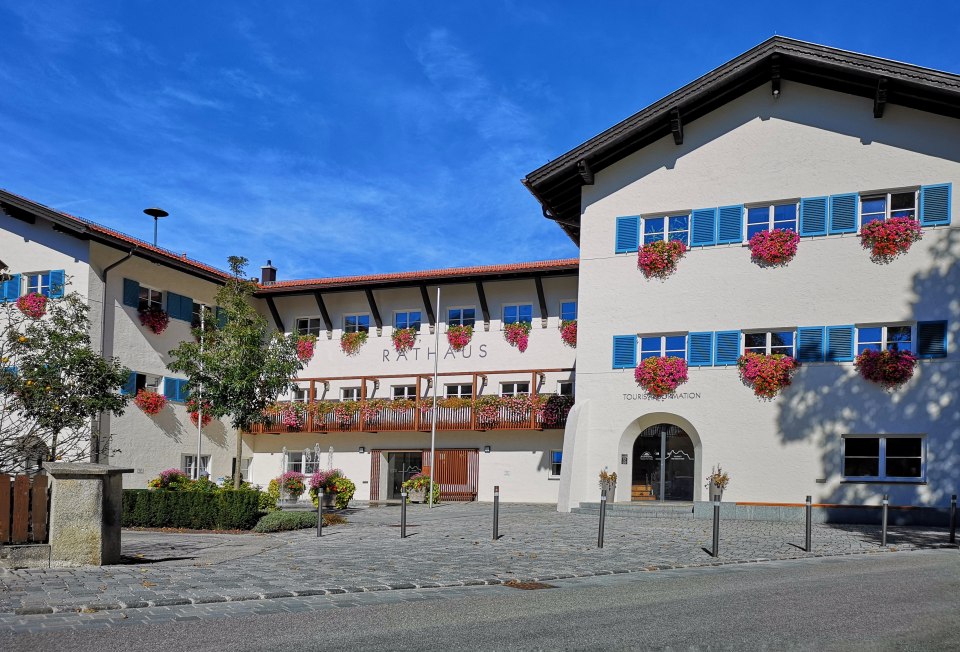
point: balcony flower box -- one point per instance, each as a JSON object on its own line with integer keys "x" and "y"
{"x": 305, "y": 347}
{"x": 351, "y": 343}
{"x": 517, "y": 334}
{"x": 887, "y": 239}
{"x": 661, "y": 376}
{"x": 889, "y": 369}
{"x": 774, "y": 248}
{"x": 404, "y": 339}
{"x": 156, "y": 319}
{"x": 767, "y": 375}
{"x": 150, "y": 402}
{"x": 659, "y": 259}
{"x": 568, "y": 332}
{"x": 458, "y": 337}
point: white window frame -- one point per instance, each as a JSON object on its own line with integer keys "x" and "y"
{"x": 309, "y": 329}
{"x": 461, "y": 308}
{"x": 353, "y": 391}
{"x": 407, "y": 312}
{"x": 150, "y": 301}
{"x": 562, "y": 383}
{"x": 771, "y": 206}
{"x": 884, "y": 336}
{"x": 460, "y": 387}
{"x": 151, "y": 382}
{"x": 888, "y": 202}
{"x": 663, "y": 343}
{"x": 187, "y": 461}
{"x": 556, "y": 473}
{"x": 40, "y": 287}
{"x": 408, "y": 394}
{"x": 882, "y": 468}
{"x": 358, "y": 327}
{"x": 666, "y": 226}
{"x": 768, "y": 340}
{"x": 514, "y": 390}
{"x": 576, "y": 309}
{"x": 503, "y": 310}
{"x": 300, "y": 394}
{"x": 244, "y": 466}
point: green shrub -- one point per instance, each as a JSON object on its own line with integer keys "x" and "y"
{"x": 196, "y": 510}
{"x": 281, "y": 521}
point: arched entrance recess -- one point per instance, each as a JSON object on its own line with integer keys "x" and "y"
{"x": 664, "y": 461}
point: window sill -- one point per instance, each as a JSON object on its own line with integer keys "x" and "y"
{"x": 880, "y": 481}
{"x": 553, "y": 477}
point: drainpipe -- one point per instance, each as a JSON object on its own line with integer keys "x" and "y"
{"x": 95, "y": 450}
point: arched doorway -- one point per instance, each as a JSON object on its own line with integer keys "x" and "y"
{"x": 663, "y": 464}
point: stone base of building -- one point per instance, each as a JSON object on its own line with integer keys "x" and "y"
{"x": 35, "y": 555}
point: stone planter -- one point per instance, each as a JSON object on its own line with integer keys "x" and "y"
{"x": 417, "y": 495}
{"x": 329, "y": 499}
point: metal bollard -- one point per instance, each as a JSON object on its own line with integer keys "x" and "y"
{"x": 496, "y": 512}
{"x": 320, "y": 512}
{"x": 883, "y": 525}
{"x": 603, "y": 516}
{"x": 403, "y": 514}
{"x": 809, "y": 509}
{"x": 716, "y": 528}
{"x": 953, "y": 518}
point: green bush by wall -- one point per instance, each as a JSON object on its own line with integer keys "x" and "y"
{"x": 221, "y": 510}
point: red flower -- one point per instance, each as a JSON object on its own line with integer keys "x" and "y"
{"x": 193, "y": 407}
{"x": 659, "y": 259}
{"x": 150, "y": 402}
{"x": 404, "y": 339}
{"x": 887, "y": 239}
{"x": 517, "y": 334}
{"x": 774, "y": 248}
{"x": 767, "y": 374}
{"x": 33, "y": 305}
{"x": 568, "y": 332}
{"x": 889, "y": 369}
{"x": 155, "y": 319}
{"x": 661, "y": 376}
{"x": 459, "y": 336}
{"x": 350, "y": 343}
{"x": 305, "y": 345}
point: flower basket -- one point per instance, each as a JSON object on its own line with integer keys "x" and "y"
{"x": 155, "y": 319}
{"x": 661, "y": 376}
{"x": 887, "y": 239}
{"x": 659, "y": 259}
{"x": 350, "y": 343}
{"x": 305, "y": 347}
{"x": 404, "y": 339}
{"x": 767, "y": 374}
{"x": 458, "y": 337}
{"x": 608, "y": 482}
{"x": 890, "y": 369}
{"x": 418, "y": 486}
{"x": 292, "y": 484}
{"x": 150, "y": 402}
{"x": 193, "y": 407}
{"x": 717, "y": 481}
{"x": 568, "y": 332}
{"x": 774, "y": 248}
{"x": 517, "y": 334}
{"x": 33, "y": 305}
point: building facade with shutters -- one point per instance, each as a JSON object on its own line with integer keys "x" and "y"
{"x": 788, "y": 136}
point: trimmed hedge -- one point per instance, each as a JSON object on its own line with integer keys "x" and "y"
{"x": 280, "y": 521}
{"x": 195, "y": 510}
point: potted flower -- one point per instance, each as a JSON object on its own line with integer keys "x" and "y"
{"x": 458, "y": 337}
{"x": 774, "y": 248}
{"x": 887, "y": 239}
{"x": 404, "y": 339}
{"x": 325, "y": 480}
{"x": 33, "y": 305}
{"x": 417, "y": 487}
{"x": 156, "y": 319}
{"x": 661, "y": 376}
{"x": 717, "y": 481}
{"x": 568, "y": 332}
{"x": 291, "y": 483}
{"x": 517, "y": 334}
{"x": 150, "y": 402}
{"x": 350, "y": 343}
{"x": 659, "y": 259}
{"x": 194, "y": 408}
{"x": 767, "y": 374}
{"x": 305, "y": 347}
{"x": 890, "y": 369}
{"x": 608, "y": 481}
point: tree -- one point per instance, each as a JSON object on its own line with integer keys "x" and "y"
{"x": 241, "y": 368}
{"x": 52, "y": 384}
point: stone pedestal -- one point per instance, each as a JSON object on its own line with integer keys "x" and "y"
{"x": 85, "y": 508}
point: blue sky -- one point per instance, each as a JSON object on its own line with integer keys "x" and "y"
{"x": 360, "y": 137}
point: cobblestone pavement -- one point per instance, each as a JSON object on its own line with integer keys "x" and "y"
{"x": 448, "y": 546}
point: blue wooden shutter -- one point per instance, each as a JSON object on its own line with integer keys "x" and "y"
{"x": 170, "y": 388}
{"x": 932, "y": 339}
{"x": 727, "y": 348}
{"x": 730, "y": 224}
{"x": 703, "y": 230}
{"x": 131, "y": 293}
{"x": 628, "y": 234}
{"x": 11, "y": 288}
{"x": 186, "y": 308}
{"x": 58, "y": 281}
{"x": 810, "y": 344}
{"x": 813, "y": 216}
{"x": 700, "y": 349}
{"x": 839, "y": 344}
{"x": 179, "y": 307}
{"x": 624, "y": 351}
{"x": 935, "y": 204}
{"x": 183, "y": 394}
{"x": 843, "y": 213}
{"x": 130, "y": 387}
{"x": 221, "y": 315}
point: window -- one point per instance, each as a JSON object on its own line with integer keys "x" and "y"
{"x": 189, "y": 465}
{"x": 767, "y": 218}
{"x": 309, "y": 326}
{"x": 196, "y": 314}
{"x": 461, "y": 317}
{"x": 673, "y": 227}
{"x": 663, "y": 346}
{"x": 349, "y": 393}
{"x": 138, "y": 381}
{"x": 38, "y": 282}
{"x": 888, "y": 457}
{"x": 244, "y": 467}
{"x": 408, "y": 319}
{"x": 878, "y": 338}
{"x": 887, "y": 205}
{"x": 459, "y": 391}
{"x": 356, "y": 323}
{"x": 150, "y": 299}
{"x": 301, "y": 394}
{"x": 556, "y": 461}
{"x": 565, "y": 388}
{"x": 514, "y": 389}
{"x": 522, "y": 312}
{"x": 769, "y": 342}
{"x": 405, "y": 392}
{"x": 568, "y": 311}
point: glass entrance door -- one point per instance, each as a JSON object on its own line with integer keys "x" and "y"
{"x": 663, "y": 458}
{"x": 400, "y": 468}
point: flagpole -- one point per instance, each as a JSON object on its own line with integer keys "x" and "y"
{"x": 200, "y": 401}
{"x": 433, "y": 424}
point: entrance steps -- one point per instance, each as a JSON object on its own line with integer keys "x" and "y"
{"x": 639, "y": 509}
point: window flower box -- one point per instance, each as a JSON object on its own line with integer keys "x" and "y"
{"x": 517, "y": 334}
{"x": 889, "y": 369}
{"x": 767, "y": 375}
{"x": 33, "y": 305}
{"x": 350, "y": 343}
{"x": 774, "y": 248}
{"x": 887, "y": 239}
{"x": 568, "y": 332}
{"x": 660, "y": 377}
{"x": 404, "y": 339}
{"x": 305, "y": 347}
{"x": 659, "y": 259}
{"x": 150, "y": 402}
{"x": 155, "y": 319}
{"x": 458, "y": 337}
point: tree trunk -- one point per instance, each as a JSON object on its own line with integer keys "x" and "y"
{"x": 236, "y": 471}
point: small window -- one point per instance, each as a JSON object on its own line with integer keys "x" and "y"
{"x": 565, "y": 388}
{"x": 461, "y": 317}
{"x": 407, "y": 319}
{"x": 769, "y": 343}
{"x": 301, "y": 394}
{"x": 892, "y": 458}
{"x": 189, "y": 465}
{"x": 879, "y": 338}
{"x": 150, "y": 299}
{"x": 244, "y": 467}
{"x": 356, "y": 323}
{"x": 768, "y": 218}
{"x": 556, "y": 461}
{"x": 514, "y": 313}
{"x": 349, "y": 393}
{"x": 309, "y": 326}
{"x": 673, "y": 227}
{"x": 568, "y": 311}
{"x": 38, "y": 282}
{"x": 196, "y": 314}
{"x": 311, "y": 462}
{"x": 663, "y": 346}
{"x": 149, "y": 382}
{"x": 404, "y": 392}
{"x": 886, "y": 205}
{"x": 514, "y": 389}
{"x": 459, "y": 391}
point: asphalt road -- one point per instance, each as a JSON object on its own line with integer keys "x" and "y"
{"x": 906, "y": 601}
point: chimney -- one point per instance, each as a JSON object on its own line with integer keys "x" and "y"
{"x": 268, "y": 273}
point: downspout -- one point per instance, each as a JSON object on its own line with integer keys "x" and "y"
{"x": 95, "y": 450}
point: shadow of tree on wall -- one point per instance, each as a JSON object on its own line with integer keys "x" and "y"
{"x": 827, "y": 401}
